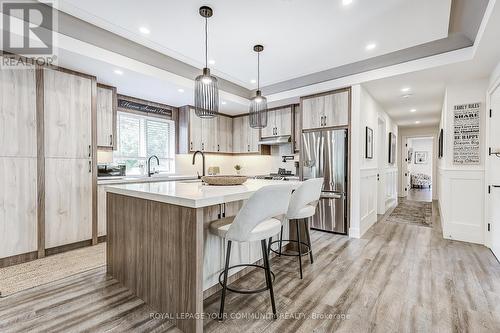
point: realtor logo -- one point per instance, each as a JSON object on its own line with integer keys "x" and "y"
{"x": 27, "y": 30}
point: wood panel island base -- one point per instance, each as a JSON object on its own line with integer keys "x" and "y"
{"x": 160, "y": 248}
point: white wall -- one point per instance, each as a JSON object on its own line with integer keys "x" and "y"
{"x": 366, "y": 112}
{"x": 406, "y": 132}
{"x": 461, "y": 189}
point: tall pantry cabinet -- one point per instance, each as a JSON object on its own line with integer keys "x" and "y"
{"x": 47, "y": 162}
{"x": 68, "y": 157}
{"x": 18, "y": 162}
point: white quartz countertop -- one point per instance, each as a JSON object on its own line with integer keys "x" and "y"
{"x": 143, "y": 179}
{"x": 192, "y": 193}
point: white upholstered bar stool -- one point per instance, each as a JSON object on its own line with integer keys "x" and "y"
{"x": 260, "y": 218}
{"x": 302, "y": 206}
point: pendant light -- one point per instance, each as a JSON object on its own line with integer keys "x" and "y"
{"x": 206, "y": 90}
{"x": 258, "y": 104}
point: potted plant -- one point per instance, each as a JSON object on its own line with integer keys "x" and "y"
{"x": 238, "y": 168}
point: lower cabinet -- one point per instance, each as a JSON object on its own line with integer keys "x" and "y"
{"x": 18, "y": 205}
{"x": 68, "y": 201}
{"x": 101, "y": 211}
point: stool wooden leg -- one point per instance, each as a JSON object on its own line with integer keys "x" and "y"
{"x": 281, "y": 240}
{"x": 269, "y": 281}
{"x": 306, "y": 223}
{"x": 224, "y": 284}
{"x": 299, "y": 246}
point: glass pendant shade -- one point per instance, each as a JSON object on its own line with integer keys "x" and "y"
{"x": 206, "y": 88}
{"x": 258, "y": 111}
{"x": 258, "y": 104}
{"x": 206, "y": 95}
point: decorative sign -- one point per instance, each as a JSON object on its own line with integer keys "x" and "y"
{"x": 466, "y": 148}
{"x": 134, "y": 106}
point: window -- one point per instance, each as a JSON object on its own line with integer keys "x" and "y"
{"x": 140, "y": 137}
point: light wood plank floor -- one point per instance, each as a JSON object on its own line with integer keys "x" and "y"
{"x": 398, "y": 278}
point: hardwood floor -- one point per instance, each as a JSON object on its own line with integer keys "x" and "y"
{"x": 397, "y": 278}
{"x": 417, "y": 194}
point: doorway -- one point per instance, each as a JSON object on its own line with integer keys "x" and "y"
{"x": 493, "y": 173}
{"x": 381, "y": 165}
{"x": 418, "y": 167}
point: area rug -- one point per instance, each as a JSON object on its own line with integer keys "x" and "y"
{"x": 31, "y": 274}
{"x": 412, "y": 212}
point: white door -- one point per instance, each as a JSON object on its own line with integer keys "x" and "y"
{"x": 405, "y": 169}
{"x": 494, "y": 173}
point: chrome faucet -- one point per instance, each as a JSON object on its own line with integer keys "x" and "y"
{"x": 203, "y": 161}
{"x": 149, "y": 164}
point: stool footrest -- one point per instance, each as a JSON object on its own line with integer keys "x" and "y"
{"x": 241, "y": 291}
{"x": 290, "y": 254}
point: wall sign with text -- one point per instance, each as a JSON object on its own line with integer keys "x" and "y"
{"x": 466, "y": 140}
{"x": 134, "y": 106}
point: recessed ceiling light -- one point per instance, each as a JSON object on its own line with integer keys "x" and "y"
{"x": 180, "y": 90}
{"x": 405, "y": 89}
{"x": 406, "y": 96}
{"x": 144, "y": 30}
{"x": 211, "y": 62}
{"x": 413, "y": 110}
{"x": 223, "y": 103}
{"x": 253, "y": 81}
{"x": 417, "y": 122}
{"x": 371, "y": 46}
{"x": 346, "y": 2}
{"x": 118, "y": 72}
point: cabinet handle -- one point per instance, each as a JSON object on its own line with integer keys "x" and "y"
{"x": 111, "y": 139}
{"x": 248, "y": 148}
{"x": 90, "y": 166}
{"x": 324, "y": 121}
{"x": 218, "y": 147}
{"x": 202, "y": 146}
{"x": 90, "y": 151}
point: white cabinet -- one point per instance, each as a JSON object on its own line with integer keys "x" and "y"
{"x": 68, "y": 201}
{"x": 106, "y": 116}
{"x": 326, "y": 110}
{"x": 67, "y": 111}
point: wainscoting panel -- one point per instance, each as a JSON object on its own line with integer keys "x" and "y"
{"x": 391, "y": 183}
{"x": 368, "y": 204}
{"x": 462, "y": 205}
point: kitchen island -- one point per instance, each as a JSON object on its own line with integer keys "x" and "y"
{"x": 160, "y": 248}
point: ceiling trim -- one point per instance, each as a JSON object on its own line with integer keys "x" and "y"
{"x": 465, "y": 20}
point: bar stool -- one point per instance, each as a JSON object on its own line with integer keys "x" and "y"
{"x": 303, "y": 205}
{"x": 259, "y": 218}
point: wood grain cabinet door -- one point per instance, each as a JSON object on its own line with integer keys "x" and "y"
{"x": 105, "y": 117}
{"x": 101, "y": 211}
{"x": 240, "y": 134}
{"x": 269, "y": 130}
{"x": 225, "y": 134}
{"x": 18, "y": 112}
{"x": 297, "y": 128}
{"x": 336, "y": 109}
{"x": 210, "y": 134}
{"x": 18, "y": 205}
{"x": 67, "y": 111}
{"x": 68, "y": 201}
{"x": 312, "y": 112}
{"x": 284, "y": 121}
{"x": 195, "y": 131}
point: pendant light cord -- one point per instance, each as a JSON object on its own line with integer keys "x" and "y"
{"x": 206, "y": 42}
{"x": 258, "y": 70}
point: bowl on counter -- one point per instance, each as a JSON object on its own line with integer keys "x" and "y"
{"x": 224, "y": 180}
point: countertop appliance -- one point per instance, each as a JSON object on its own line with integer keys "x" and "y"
{"x": 282, "y": 174}
{"x": 324, "y": 155}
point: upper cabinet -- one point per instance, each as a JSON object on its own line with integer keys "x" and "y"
{"x": 245, "y": 139}
{"x": 297, "y": 128}
{"x": 67, "y": 112}
{"x": 106, "y": 116}
{"x": 225, "y": 134}
{"x": 212, "y": 135}
{"x": 327, "y": 110}
{"x": 279, "y": 122}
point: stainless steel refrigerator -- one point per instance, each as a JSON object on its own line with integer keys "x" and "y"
{"x": 324, "y": 155}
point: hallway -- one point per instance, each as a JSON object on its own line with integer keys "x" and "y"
{"x": 417, "y": 194}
